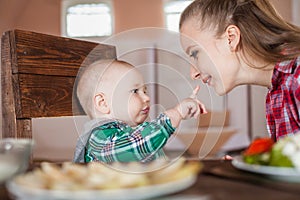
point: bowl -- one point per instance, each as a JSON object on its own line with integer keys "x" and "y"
{"x": 15, "y": 155}
{"x": 205, "y": 142}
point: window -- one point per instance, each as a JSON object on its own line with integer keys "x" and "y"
{"x": 87, "y": 19}
{"x": 173, "y": 9}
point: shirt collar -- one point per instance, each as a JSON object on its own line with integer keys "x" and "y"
{"x": 286, "y": 66}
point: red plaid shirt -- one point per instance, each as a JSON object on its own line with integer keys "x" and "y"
{"x": 283, "y": 100}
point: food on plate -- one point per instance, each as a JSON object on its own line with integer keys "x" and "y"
{"x": 258, "y": 151}
{"x": 95, "y": 175}
{"x": 284, "y": 153}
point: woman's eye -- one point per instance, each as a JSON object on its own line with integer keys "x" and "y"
{"x": 194, "y": 54}
{"x": 135, "y": 90}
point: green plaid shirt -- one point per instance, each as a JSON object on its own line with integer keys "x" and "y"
{"x": 116, "y": 141}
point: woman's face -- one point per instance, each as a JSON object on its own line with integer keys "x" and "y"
{"x": 211, "y": 58}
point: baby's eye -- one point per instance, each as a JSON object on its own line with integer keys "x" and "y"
{"x": 135, "y": 90}
{"x": 194, "y": 54}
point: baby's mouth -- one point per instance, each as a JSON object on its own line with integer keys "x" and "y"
{"x": 146, "y": 110}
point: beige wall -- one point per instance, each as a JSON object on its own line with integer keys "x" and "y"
{"x": 131, "y": 14}
{"x": 284, "y": 8}
{"x": 35, "y": 15}
{"x": 45, "y": 15}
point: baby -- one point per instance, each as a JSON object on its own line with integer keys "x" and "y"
{"x": 114, "y": 96}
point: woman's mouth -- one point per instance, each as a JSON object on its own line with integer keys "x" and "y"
{"x": 207, "y": 79}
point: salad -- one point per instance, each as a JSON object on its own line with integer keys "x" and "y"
{"x": 284, "y": 153}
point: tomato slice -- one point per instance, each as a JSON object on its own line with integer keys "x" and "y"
{"x": 258, "y": 146}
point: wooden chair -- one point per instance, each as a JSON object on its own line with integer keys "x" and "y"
{"x": 38, "y": 73}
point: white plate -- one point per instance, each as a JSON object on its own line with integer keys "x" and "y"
{"x": 140, "y": 193}
{"x": 279, "y": 173}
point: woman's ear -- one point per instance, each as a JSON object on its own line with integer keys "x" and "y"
{"x": 233, "y": 35}
{"x": 101, "y": 104}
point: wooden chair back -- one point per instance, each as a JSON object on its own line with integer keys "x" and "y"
{"x": 38, "y": 72}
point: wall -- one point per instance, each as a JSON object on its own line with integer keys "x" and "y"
{"x": 284, "y": 8}
{"x": 295, "y": 12}
{"x": 130, "y": 14}
{"x": 35, "y": 15}
{"x": 45, "y": 15}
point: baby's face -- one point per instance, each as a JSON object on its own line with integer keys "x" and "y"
{"x": 129, "y": 100}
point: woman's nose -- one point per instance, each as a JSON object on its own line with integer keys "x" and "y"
{"x": 194, "y": 73}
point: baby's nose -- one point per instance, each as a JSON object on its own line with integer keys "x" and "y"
{"x": 146, "y": 98}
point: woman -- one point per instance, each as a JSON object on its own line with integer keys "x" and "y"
{"x": 237, "y": 42}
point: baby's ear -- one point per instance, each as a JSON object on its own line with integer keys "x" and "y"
{"x": 101, "y": 103}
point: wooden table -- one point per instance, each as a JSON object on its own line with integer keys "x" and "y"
{"x": 219, "y": 180}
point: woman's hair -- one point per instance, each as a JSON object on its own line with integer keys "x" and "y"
{"x": 263, "y": 30}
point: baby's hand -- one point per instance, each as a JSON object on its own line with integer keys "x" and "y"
{"x": 194, "y": 96}
{"x": 188, "y": 108}
{"x": 191, "y": 107}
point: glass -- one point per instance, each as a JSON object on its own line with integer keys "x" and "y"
{"x": 14, "y": 157}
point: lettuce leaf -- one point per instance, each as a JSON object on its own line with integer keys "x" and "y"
{"x": 259, "y": 159}
{"x": 278, "y": 159}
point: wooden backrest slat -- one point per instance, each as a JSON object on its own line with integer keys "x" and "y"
{"x": 45, "y": 96}
{"x": 46, "y": 54}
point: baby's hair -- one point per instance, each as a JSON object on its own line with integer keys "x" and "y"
{"x": 87, "y": 83}
{"x": 92, "y": 78}
{"x": 263, "y": 31}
